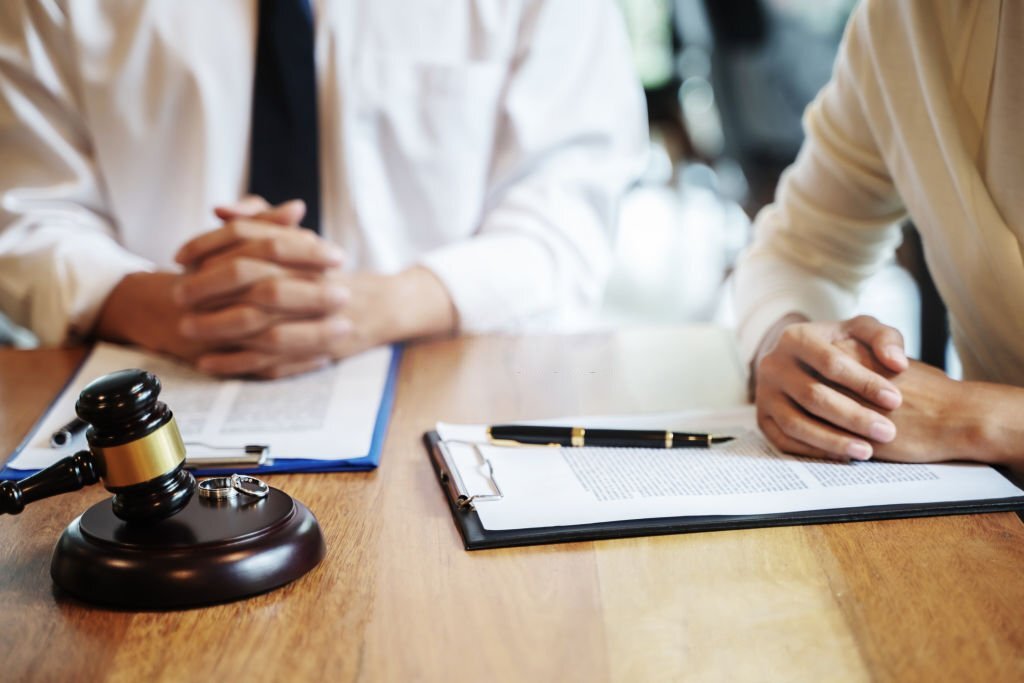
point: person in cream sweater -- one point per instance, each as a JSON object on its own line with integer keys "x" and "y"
{"x": 922, "y": 120}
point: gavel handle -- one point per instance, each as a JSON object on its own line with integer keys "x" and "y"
{"x": 65, "y": 475}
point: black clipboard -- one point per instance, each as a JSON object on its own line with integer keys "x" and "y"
{"x": 475, "y": 537}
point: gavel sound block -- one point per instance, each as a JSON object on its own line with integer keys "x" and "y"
{"x": 155, "y": 544}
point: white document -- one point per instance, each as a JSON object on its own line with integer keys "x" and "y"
{"x": 546, "y": 486}
{"x": 329, "y": 414}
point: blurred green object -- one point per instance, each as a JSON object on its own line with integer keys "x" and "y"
{"x": 649, "y": 24}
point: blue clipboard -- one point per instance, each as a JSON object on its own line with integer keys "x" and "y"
{"x": 363, "y": 463}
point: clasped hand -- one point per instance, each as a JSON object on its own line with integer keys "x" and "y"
{"x": 845, "y": 390}
{"x": 262, "y": 296}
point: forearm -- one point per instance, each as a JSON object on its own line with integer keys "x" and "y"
{"x": 834, "y": 219}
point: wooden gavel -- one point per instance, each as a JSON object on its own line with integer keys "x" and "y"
{"x": 135, "y": 448}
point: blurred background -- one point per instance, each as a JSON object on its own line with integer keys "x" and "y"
{"x": 726, "y": 82}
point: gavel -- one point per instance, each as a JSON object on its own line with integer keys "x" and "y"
{"x": 155, "y": 544}
{"x": 135, "y": 448}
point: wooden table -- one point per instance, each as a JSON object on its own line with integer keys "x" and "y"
{"x": 398, "y": 599}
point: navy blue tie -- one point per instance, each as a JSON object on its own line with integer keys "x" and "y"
{"x": 284, "y": 148}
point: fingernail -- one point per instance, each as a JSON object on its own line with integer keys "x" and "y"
{"x": 895, "y": 353}
{"x": 887, "y": 398}
{"x": 882, "y": 431}
{"x": 340, "y": 326}
{"x": 335, "y": 253}
{"x": 858, "y": 450}
{"x": 337, "y": 295}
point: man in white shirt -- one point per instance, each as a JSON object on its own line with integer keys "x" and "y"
{"x": 921, "y": 118}
{"x": 467, "y": 163}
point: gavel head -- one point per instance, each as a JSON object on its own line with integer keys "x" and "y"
{"x": 135, "y": 441}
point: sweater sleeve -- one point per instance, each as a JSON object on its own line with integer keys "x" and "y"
{"x": 835, "y": 219}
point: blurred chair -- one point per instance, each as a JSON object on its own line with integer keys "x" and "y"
{"x": 766, "y": 60}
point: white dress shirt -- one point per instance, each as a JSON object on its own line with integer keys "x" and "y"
{"x": 488, "y": 140}
{"x": 922, "y": 117}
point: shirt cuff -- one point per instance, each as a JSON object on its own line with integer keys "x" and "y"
{"x": 769, "y": 290}
{"x": 65, "y": 306}
{"x": 497, "y": 282}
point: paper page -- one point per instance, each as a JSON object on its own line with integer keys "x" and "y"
{"x": 545, "y": 486}
{"x": 325, "y": 415}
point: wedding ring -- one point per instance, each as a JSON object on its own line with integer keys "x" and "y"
{"x": 250, "y": 486}
{"x": 218, "y": 488}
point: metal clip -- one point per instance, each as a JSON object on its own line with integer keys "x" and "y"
{"x": 451, "y": 477}
{"x": 250, "y": 455}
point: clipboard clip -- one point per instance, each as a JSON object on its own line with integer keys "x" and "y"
{"x": 452, "y": 479}
{"x": 249, "y": 455}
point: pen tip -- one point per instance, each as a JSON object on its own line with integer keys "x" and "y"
{"x": 721, "y": 439}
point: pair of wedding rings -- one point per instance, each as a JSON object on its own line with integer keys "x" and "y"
{"x": 229, "y": 488}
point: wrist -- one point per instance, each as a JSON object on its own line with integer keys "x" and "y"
{"x": 996, "y": 435}
{"x": 420, "y": 305}
{"x": 139, "y": 311}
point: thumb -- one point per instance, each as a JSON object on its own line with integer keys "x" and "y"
{"x": 246, "y": 207}
{"x": 289, "y": 213}
{"x": 885, "y": 342}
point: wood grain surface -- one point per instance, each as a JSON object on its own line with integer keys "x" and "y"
{"x": 398, "y": 599}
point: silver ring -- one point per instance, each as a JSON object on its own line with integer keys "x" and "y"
{"x": 250, "y": 486}
{"x": 218, "y": 488}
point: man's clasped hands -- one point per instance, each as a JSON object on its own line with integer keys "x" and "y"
{"x": 261, "y": 296}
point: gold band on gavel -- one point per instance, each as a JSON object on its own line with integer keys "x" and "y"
{"x": 147, "y": 458}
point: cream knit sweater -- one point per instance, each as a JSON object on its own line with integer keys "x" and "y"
{"x": 924, "y": 116}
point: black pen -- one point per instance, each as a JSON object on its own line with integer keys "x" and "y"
{"x": 65, "y": 434}
{"x": 579, "y": 436}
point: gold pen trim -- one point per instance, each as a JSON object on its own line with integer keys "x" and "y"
{"x": 509, "y": 443}
{"x": 669, "y": 436}
{"x": 578, "y": 437}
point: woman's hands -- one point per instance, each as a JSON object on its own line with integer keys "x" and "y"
{"x": 816, "y": 398}
{"x": 845, "y": 390}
